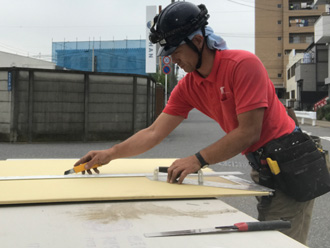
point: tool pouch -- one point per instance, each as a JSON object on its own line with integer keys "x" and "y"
{"x": 303, "y": 170}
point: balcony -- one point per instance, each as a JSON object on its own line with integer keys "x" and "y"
{"x": 320, "y": 2}
{"x": 302, "y": 21}
{"x": 299, "y": 5}
{"x": 322, "y": 30}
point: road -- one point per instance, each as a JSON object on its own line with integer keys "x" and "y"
{"x": 195, "y": 133}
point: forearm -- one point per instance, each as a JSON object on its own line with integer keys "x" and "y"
{"x": 227, "y": 147}
{"x": 246, "y": 134}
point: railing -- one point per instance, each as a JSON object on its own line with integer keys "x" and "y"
{"x": 307, "y": 115}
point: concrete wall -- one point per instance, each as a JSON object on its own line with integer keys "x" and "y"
{"x": 306, "y": 72}
{"x": 45, "y": 105}
{"x": 5, "y": 104}
{"x": 291, "y": 82}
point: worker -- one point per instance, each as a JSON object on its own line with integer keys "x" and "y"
{"x": 230, "y": 86}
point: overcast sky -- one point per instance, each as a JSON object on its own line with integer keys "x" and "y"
{"x": 28, "y": 27}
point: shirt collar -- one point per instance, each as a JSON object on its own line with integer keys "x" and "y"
{"x": 212, "y": 77}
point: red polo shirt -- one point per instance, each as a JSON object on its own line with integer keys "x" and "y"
{"x": 237, "y": 83}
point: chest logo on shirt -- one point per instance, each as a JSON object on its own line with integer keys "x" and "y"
{"x": 223, "y": 94}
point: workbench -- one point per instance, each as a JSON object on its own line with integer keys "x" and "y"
{"x": 103, "y": 221}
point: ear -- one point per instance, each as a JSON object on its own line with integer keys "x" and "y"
{"x": 198, "y": 41}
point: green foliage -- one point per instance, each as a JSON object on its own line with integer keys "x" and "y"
{"x": 326, "y": 108}
{"x": 324, "y": 113}
{"x": 320, "y": 113}
{"x": 327, "y": 116}
{"x": 158, "y": 77}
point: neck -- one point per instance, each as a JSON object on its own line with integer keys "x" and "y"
{"x": 208, "y": 56}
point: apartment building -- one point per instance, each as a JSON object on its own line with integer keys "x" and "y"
{"x": 282, "y": 26}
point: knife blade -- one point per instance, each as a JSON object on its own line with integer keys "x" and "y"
{"x": 238, "y": 227}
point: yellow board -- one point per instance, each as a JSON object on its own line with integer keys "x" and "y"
{"x": 96, "y": 189}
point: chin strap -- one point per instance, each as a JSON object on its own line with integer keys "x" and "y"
{"x": 193, "y": 47}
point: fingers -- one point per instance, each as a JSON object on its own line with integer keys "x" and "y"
{"x": 90, "y": 159}
{"x": 176, "y": 175}
{"x": 84, "y": 159}
{"x": 181, "y": 168}
{"x": 182, "y": 176}
{"x": 90, "y": 172}
{"x": 176, "y": 172}
{"x": 91, "y": 163}
{"x": 172, "y": 175}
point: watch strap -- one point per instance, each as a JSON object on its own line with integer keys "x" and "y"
{"x": 201, "y": 160}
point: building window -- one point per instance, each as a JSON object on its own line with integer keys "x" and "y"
{"x": 291, "y": 71}
{"x": 279, "y": 75}
{"x": 279, "y": 38}
{"x": 297, "y": 38}
{"x": 279, "y": 6}
{"x": 293, "y": 95}
{"x": 298, "y": 5}
{"x": 302, "y": 21}
{"x": 322, "y": 55}
{"x": 279, "y": 22}
{"x": 286, "y": 52}
{"x": 279, "y": 55}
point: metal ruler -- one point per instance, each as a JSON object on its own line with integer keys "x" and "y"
{"x": 77, "y": 176}
{"x": 240, "y": 184}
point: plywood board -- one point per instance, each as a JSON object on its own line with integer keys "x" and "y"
{"x": 97, "y": 189}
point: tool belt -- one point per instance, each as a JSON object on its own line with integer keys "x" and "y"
{"x": 294, "y": 164}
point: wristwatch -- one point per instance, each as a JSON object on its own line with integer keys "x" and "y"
{"x": 201, "y": 160}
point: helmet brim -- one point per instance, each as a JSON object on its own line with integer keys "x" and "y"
{"x": 166, "y": 51}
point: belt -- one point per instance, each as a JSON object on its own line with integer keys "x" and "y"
{"x": 255, "y": 158}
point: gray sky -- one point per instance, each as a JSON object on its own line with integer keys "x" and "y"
{"x": 28, "y": 27}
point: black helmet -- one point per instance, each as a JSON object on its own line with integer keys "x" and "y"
{"x": 175, "y": 23}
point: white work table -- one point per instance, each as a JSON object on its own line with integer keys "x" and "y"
{"x": 123, "y": 224}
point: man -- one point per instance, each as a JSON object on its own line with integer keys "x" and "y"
{"x": 232, "y": 87}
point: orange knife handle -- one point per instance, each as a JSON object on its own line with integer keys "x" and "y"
{"x": 81, "y": 167}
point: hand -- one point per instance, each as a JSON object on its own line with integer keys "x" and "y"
{"x": 94, "y": 157}
{"x": 181, "y": 168}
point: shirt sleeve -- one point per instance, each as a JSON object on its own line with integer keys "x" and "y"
{"x": 177, "y": 104}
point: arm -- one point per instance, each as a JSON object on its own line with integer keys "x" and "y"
{"x": 246, "y": 134}
{"x": 138, "y": 143}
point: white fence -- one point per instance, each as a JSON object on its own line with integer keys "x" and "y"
{"x": 306, "y": 114}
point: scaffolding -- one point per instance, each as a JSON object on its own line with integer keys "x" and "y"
{"x": 120, "y": 56}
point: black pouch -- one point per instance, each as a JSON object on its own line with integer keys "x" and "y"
{"x": 303, "y": 170}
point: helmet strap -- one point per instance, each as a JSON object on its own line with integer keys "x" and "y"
{"x": 193, "y": 47}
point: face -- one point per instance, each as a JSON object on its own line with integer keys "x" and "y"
{"x": 185, "y": 57}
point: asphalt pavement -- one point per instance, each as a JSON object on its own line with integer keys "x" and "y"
{"x": 195, "y": 133}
